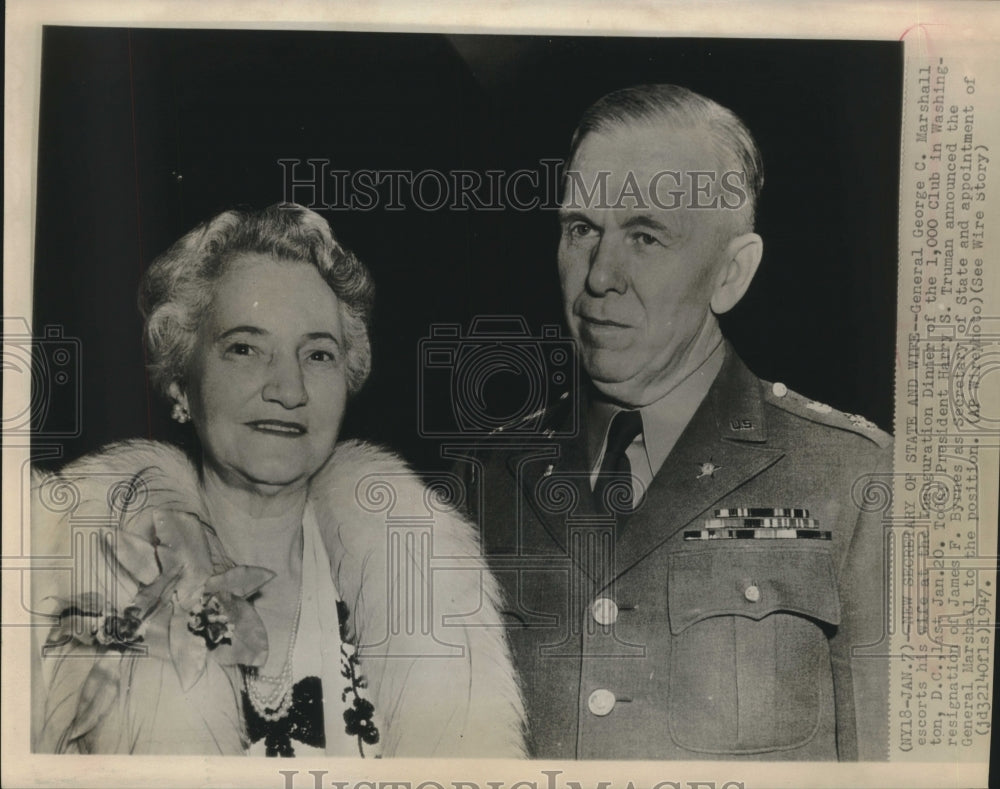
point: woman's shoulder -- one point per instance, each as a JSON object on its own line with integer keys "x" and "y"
{"x": 377, "y": 486}
{"x": 353, "y": 455}
{"x": 368, "y": 478}
{"x": 117, "y": 481}
{"x": 132, "y": 456}
{"x": 132, "y": 469}
{"x": 367, "y": 500}
{"x": 381, "y": 522}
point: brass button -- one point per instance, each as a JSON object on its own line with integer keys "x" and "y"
{"x": 601, "y": 702}
{"x": 752, "y": 593}
{"x": 604, "y": 611}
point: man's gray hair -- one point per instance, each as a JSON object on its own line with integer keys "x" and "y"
{"x": 177, "y": 289}
{"x": 683, "y": 109}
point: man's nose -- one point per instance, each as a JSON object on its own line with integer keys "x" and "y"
{"x": 607, "y": 268}
{"x": 285, "y": 384}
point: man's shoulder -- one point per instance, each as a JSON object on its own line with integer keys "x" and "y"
{"x": 796, "y": 412}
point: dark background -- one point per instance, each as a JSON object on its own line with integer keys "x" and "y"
{"x": 145, "y": 133}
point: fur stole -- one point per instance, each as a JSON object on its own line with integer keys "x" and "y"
{"x": 423, "y": 610}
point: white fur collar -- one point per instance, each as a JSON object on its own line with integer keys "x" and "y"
{"x": 447, "y": 687}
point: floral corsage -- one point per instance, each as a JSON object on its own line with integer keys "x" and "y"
{"x": 185, "y": 600}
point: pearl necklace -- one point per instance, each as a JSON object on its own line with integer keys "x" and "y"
{"x": 275, "y": 705}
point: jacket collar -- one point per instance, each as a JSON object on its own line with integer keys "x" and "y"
{"x": 737, "y": 402}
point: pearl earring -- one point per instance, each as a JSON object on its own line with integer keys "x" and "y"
{"x": 180, "y": 414}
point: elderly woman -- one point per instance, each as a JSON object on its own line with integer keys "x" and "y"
{"x": 260, "y": 598}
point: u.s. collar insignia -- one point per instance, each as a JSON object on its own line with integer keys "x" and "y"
{"x": 707, "y": 469}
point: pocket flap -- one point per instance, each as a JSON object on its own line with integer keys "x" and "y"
{"x": 736, "y": 579}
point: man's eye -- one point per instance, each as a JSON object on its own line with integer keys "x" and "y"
{"x": 645, "y": 239}
{"x": 580, "y": 230}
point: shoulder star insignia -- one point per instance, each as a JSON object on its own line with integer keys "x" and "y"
{"x": 707, "y": 469}
{"x": 859, "y": 421}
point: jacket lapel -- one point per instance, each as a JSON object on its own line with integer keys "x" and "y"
{"x": 554, "y": 480}
{"x": 723, "y": 446}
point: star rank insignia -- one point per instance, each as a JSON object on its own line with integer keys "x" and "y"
{"x": 859, "y": 421}
{"x": 707, "y": 469}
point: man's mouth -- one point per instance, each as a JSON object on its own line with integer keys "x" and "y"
{"x": 278, "y": 427}
{"x": 603, "y": 322}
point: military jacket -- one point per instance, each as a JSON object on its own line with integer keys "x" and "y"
{"x": 644, "y": 636}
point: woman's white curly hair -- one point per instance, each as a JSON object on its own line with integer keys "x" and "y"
{"x": 177, "y": 289}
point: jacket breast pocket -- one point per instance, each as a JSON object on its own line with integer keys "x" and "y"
{"x": 749, "y": 657}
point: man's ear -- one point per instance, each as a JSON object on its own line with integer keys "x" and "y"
{"x": 740, "y": 260}
{"x": 177, "y": 395}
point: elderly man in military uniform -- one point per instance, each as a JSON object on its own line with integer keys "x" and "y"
{"x": 691, "y": 574}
